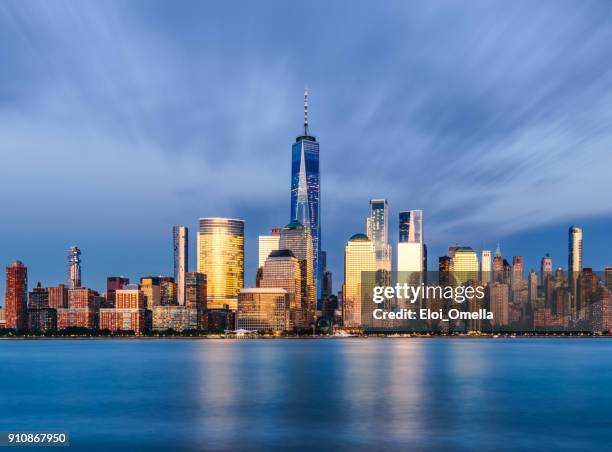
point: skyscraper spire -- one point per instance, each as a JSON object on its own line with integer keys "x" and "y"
{"x": 306, "y": 111}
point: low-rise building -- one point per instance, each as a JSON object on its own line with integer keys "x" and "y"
{"x": 129, "y": 313}
{"x": 263, "y": 309}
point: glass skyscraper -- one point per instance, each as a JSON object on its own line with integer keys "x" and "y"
{"x": 305, "y": 190}
{"x": 221, "y": 259}
{"x": 377, "y": 226}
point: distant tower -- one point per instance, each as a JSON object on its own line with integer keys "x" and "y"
{"x": 485, "y": 266}
{"x": 546, "y": 268}
{"x": 377, "y": 226}
{"x": 306, "y": 191}
{"x": 74, "y": 267}
{"x": 181, "y": 260}
{"x": 574, "y": 260}
{"x": 16, "y": 301}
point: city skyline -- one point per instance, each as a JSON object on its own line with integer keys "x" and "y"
{"x": 126, "y": 151}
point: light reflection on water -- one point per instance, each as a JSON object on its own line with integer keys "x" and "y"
{"x": 305, "y": 394}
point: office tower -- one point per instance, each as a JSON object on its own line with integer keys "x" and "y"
{"x": 485, "y": 267}
{"x": 377, "y": 227}
{"x": 267, "y": 244}
{"x": 58, "y": 297}
{"x": 282, "y": 269}
{"x": 221, "y": 259}
{"x": 359, "y": 267}
{"x": 167, "y": 291}
{"x": 411, "y": 226}
{"x": 180, "y": 242}
{"x": 305, "y": 191}
{"x": 574, "y": 263}
{"x": 465, "y": 265}
{"x": 452, "y": 249}
{"x": 114, "y": 283}
{"x": 444, "y": 270}
{"x": 546, "y": 268}
{"x": 608, "y": 278}
{"x": 196, "y": 290}
{"x": 296, "y": 238}
{"x": 517, "y": 270}
{"x": 151, "y": 288}
{"x": 74, "y": 267}
{"x": 532, "y": 287}
{"x": 263, "y": 309}
{"x": 587, "y": 282}
{"x": 404, "y": 226}
{"x": 41, "y": 318}
{"x": 327, "y": 288}
{"x": 499, "y": 299}
{"x": 498, "y": 265}
{"x": 16, "y": 300}
{"x": 82, "y": 311}
{"x": 129, "y": 313}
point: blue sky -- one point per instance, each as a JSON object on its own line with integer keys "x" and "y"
{"x": 119, "y": 119}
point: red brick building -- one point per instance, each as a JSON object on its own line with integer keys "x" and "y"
{"x": 16, "y": 301}
{"x": 129, "y": 313}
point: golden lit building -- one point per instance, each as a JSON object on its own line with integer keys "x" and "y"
{"x": 263, "y": 309}
{"x": 359, "y": 257}
{"x": 221, "y": 259}
{"x": 465, "y": 265}
{"x": 282, "y": 269}
{"x": 151, "y": 288}
{"x": 296, "y": 238}
{"x": 267, "y": 244}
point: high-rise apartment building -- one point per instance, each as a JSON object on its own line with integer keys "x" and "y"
{"x": 41, "y": 318}
{"x": 359, "y": 267}
{"x": 196, "y": 290}
{"x": 74, "y": 267}
{"x": 180, "y": 246}
{"x": 306, "y": 191}
{"x": 377, "y": 227}
{"x": 16, "y": 301}
{"x": 221, "y": 259}
{"x": 129, "y": 313}
{"x": 499, "y": 299}
{"x": 517, "y": 270}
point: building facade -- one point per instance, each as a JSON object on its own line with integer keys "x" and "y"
{"x": 221, "y": 259}
{"x": 180, "y": 245}
{"x": 74, "y": 267}
{"x": 377, "y": 227}
{"x": 16, "y": 300}
{"x": 359, "y": 266}
{"x": 306, "y": 191}
{"x": 263, "y": 309}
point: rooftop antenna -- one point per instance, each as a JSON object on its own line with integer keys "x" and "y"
{"x": 306, "y": 111}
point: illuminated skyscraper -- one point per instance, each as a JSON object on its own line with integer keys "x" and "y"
{"x": 74, "y": 267}
{"x": 181, "y": 260}
{"x": 377, "y": 226}
{"x": 411, "y": 226}
{"x": 465, "y": 265}
{"x": 296, "y": 238}
{"x": 282, "y": 269}
{"x": 485, "y": 267}
{"x": 546, "y": 268}
{"x": 306, "y": 190}
{"x": 16, "y": 300}
{"x": 267, "y": 244}
{"x": 359, "y": 263}
{"x": 221, "y": 259}
{"x": 574, "y": 261}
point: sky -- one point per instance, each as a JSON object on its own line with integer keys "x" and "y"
{"x": 119, "y": 119}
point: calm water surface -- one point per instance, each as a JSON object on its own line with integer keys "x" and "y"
{"x": 432, "y": 394}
